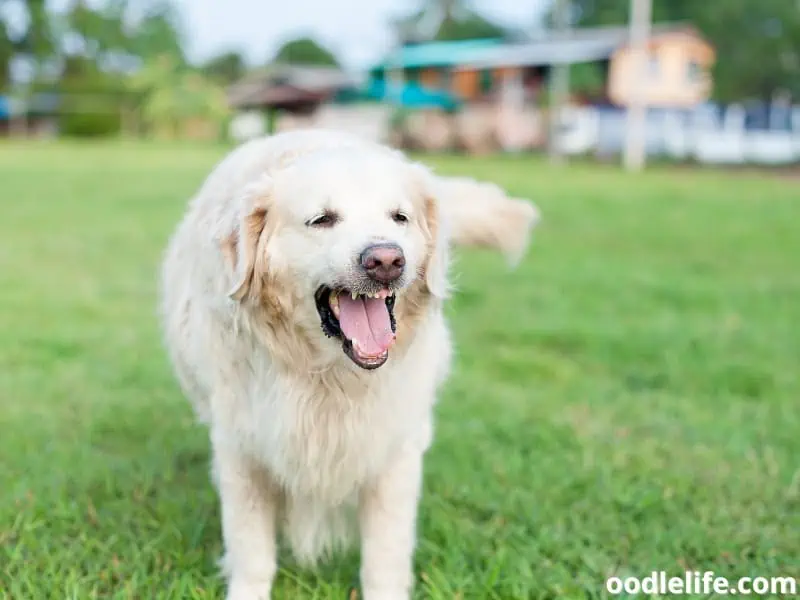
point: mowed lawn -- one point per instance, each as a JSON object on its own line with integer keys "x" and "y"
{"x": 627, "y": 400}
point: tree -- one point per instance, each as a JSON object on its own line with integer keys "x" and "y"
{"x": 756, "y": 42}
{"x": 305, "y": 51}
{"x": 445, "y": 20}
{"x": 225, "y": 68}
{"x": 90, "y": 98}
{"x": 36, "y": 43}
{"x": 158, "y": 33}
{"x": 114, "y": 35}
{"x": 6, "y": 55}
{"x": 472, "y": 27}
{"x": 107, "y": 42}
{"x": 171, "y": 96}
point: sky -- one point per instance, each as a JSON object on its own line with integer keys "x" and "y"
{"x": 357, "y": 31}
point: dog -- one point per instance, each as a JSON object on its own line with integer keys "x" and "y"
{"x": 301, "y": 301}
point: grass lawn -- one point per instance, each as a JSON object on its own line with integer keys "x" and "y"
{"x": 626, "y": 401}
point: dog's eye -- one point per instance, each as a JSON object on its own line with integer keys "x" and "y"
{"x": 399, "y": 217}
{"x": 326, "y": 219}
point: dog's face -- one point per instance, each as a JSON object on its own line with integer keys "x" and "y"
{"x": 345, "y": 236}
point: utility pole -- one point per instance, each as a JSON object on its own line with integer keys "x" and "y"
{"x": 559, "y": 81}
{"x": 635, "y": 149}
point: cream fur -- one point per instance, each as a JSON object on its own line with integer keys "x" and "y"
{"x": 305, "y": 442}
{"x": 480, "y": 214}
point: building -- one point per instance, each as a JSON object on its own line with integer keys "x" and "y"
{"x": 478, "y": 70}
{"x": 38, "y": 118}
{"x": 443, "y": 67}
{"x": 291, "y": 88}
{"x": 677, "y": 70}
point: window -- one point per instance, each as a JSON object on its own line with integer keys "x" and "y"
{"x": 653, "y": 67}
{"x": 486, "y": 81}
{"x": 693, "y": 72}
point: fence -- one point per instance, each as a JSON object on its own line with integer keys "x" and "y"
{"x": 708, "y": 134}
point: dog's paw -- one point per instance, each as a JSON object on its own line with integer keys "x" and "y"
{"x": 241, "y": 589}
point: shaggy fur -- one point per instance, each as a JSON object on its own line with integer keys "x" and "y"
{"x": 305, "y": 442}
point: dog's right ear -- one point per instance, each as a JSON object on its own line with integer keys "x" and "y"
{"x": 244, "y": 244}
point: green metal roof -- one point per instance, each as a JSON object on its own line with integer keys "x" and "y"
{"x": 439, "y": 54}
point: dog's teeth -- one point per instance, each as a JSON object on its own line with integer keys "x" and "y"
{"x": 334, "y": 303}
{"x": 354, "y": 295}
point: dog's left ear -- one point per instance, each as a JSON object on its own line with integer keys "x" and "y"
{"x": 435, "y": 227}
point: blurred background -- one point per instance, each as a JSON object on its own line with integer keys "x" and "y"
{"x": 709, "y": 82}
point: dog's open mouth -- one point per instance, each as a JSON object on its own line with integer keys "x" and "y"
{"x": 364, "y": 322}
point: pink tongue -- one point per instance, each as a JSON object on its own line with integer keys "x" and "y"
{"x": 366, "y": 320}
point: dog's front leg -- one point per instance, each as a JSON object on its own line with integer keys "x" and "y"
{"x": 249, "y": 504}
{"x": 387, "y": 516}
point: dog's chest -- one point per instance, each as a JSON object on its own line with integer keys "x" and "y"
{"x": 324, "y": 441}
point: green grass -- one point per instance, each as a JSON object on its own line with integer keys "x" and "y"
{"x": 626, "y": 401}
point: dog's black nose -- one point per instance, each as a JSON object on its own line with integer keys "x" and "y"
{"x": 383, "y": 262}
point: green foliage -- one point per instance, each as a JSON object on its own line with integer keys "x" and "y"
{"x": 226, "y": 68}
{"x": 111, "y": 34}
{"x": 90, "y": 99}
{"x": 305, "y": 51}
{"x": 6, "y": 54}
{"x": 456, "y": 21}
{"x": 36, "y": 43}
{"x": 756, "y": 42}
{"x": 159, "y": 33}
{"x": 115, "y": 38}
{"x": 170, "y": 96}
{"x": 115, "y": 34}
{"x": 472, "y": 27}
{"x": 586, "y": 78}
{"x": 89, "y": 125}
{"x": 39, "y": 40}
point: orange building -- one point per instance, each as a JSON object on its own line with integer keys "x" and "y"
{"x": 677, "y": 73}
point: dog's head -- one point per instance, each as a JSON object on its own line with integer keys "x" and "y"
{"x": 346, "y": 245}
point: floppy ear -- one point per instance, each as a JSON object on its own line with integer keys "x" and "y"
{"x": 435, "y": 228}
{"x": 243, "y": 243}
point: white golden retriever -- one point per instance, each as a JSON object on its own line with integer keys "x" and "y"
{"x": 302, "y": 307}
